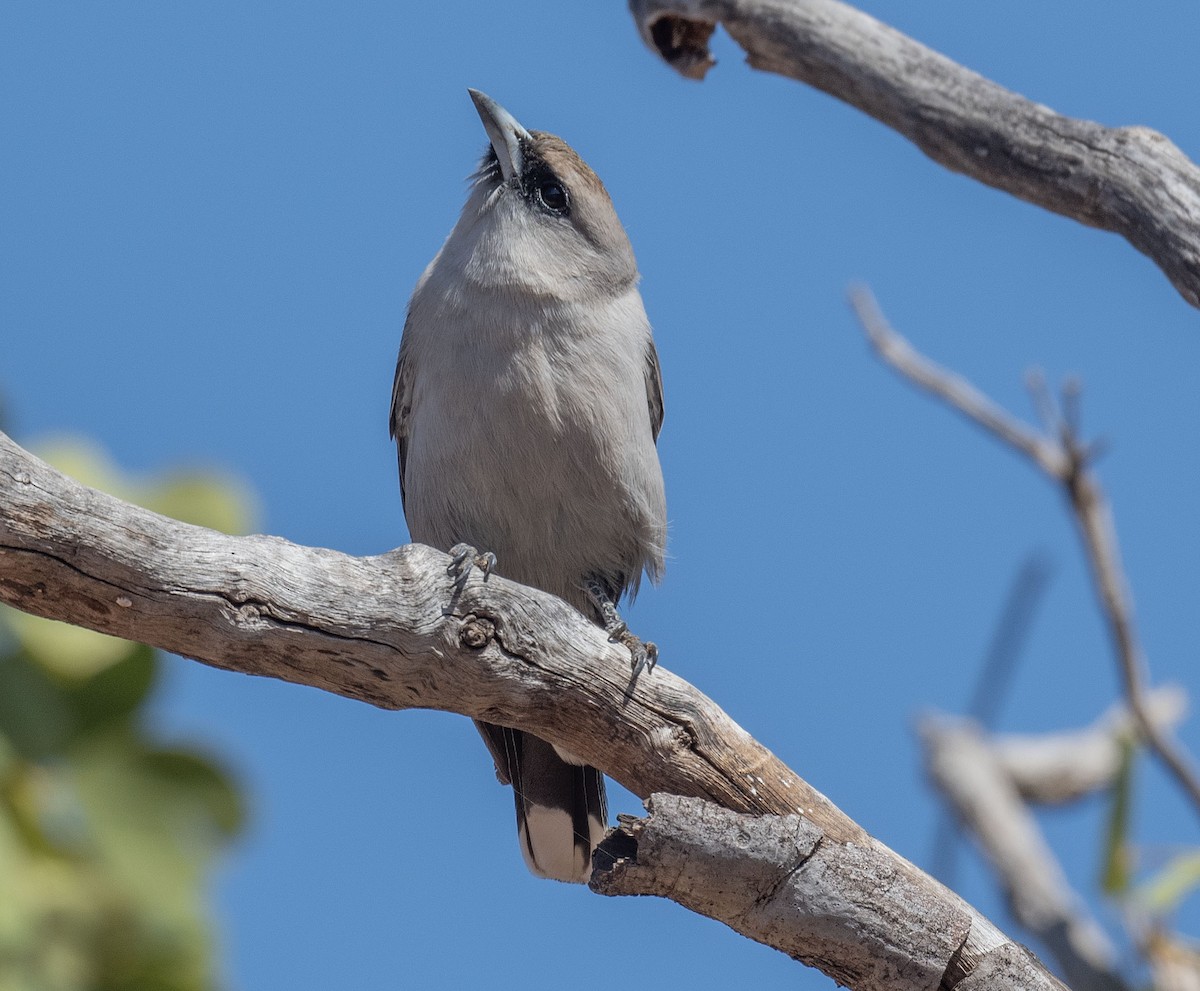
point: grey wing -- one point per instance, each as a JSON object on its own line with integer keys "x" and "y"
{"x": 654, "y": 389}
{"x": 398, "y": 418}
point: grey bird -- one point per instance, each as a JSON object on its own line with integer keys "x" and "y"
{"x": 526, "y": 409}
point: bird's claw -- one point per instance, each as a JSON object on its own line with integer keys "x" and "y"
{"x": 464, "y": 557}
{"x": 643, "y": 654}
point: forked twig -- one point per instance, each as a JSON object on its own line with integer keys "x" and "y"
{"x": 1066, "y": 460}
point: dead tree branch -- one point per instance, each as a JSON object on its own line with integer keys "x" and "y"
{"x": 967, "y": 772}
{"x": 988, "y": 783}
{"x": 1065, "y": 460}
{"x": 782, "y": 883}
{"x": 1129, "y": 180}
{"x": 386, "y": 630}
{"x": 1055, "y": 768}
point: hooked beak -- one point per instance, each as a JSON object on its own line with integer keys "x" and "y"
{"x": 503, "y": 132}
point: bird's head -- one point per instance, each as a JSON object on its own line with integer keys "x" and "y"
{"x": 539, "y": 220}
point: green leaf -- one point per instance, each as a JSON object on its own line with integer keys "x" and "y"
{"x": 87, "y": 462}
{"x": 1163, "y": 891}
{"x": 206, "y": 498}
{"x": 204, "y": 783}
{"x": 154, "y": 827}
{"x": 114, "y": 695}
{"x": 43, "y": 807}
{"x": 35, "y": 714}
{"x": 1116, "y": 871}
{"x": 70, "y": 652}
{"x": 158, "y": 815}
{"x": 203, "y": 499}
{"x": 43, "y": 717}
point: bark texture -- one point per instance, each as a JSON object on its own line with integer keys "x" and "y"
{"x": 387, "y": 630}
{"x": 848, "y": 909}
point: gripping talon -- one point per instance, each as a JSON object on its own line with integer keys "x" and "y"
{"x": 642, "y": 655}
{"x": 464, "y": 557}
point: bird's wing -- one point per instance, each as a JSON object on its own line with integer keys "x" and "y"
{"x": 654, "y": 390}
{"x": 401, "y": 406}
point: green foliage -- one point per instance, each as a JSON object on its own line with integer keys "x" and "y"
{"x": 1152, "y": 898}
{"x": 1162, "y": 892}
{"x": 107, "y": 836}
{"x": 1116, "y": 873}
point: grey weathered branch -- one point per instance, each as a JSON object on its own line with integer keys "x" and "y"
{"x": 987, "y": 782}
{"x": 1129, "y": 180}
{"x": 386, "y": 630}
{"x": 1174, "y": 961}
{"x": 1065, "y": 460}
{"x": 779, "y": 881}
{"x": 967, "y": 771}
{"x": 1053, "y": 768}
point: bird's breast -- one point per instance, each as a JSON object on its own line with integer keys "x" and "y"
{"x": 541, "y": 448}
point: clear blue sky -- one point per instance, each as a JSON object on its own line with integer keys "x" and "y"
{"x": 211, "y": 217}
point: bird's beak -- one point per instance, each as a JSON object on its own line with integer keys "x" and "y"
{"x": 503, "y": 132}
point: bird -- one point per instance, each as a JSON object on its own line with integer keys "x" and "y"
{"x": 526, "y": 408}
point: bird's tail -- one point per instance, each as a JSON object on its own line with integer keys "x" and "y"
{"x": 561, "y": 808}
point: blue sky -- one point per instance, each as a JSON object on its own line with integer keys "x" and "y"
{"x": 212, "y": 217}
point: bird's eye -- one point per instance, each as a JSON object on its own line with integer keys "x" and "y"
{"x": 553, "y": 195}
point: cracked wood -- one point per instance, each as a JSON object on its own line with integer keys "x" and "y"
{"x": 386, "y": 630}
{"x": 381, "y": 629}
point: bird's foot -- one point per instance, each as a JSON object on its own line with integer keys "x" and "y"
{"x": 643, "y": 654}
{"x": 464, "y": 557}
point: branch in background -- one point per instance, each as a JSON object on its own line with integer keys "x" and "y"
{"x": 1066, "y": 461}
{"x": 987, "y": 781}
{"x": 1129, "y": 180}
{"x": 386, "y": 630}
{"x": 1174, "y": 962}
{"x": 1055, "y": 768}
{"x": 991, "y": 686}
{"x": 965, "y": 769}
{"x": 999, "y": 666}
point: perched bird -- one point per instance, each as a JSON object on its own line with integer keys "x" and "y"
{"x": 526, "y": 408}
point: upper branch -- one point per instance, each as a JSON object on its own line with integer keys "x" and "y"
{"x": 1129, "y": 180}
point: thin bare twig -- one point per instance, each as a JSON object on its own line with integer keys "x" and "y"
{"x": 1012, "y": 631}
{"x": 953, "y": 389}
{"x": 1065, "y": 460}
{"x": 991, "y": 688}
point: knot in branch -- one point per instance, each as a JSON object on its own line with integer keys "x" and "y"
{"x": 476, "y": 632}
